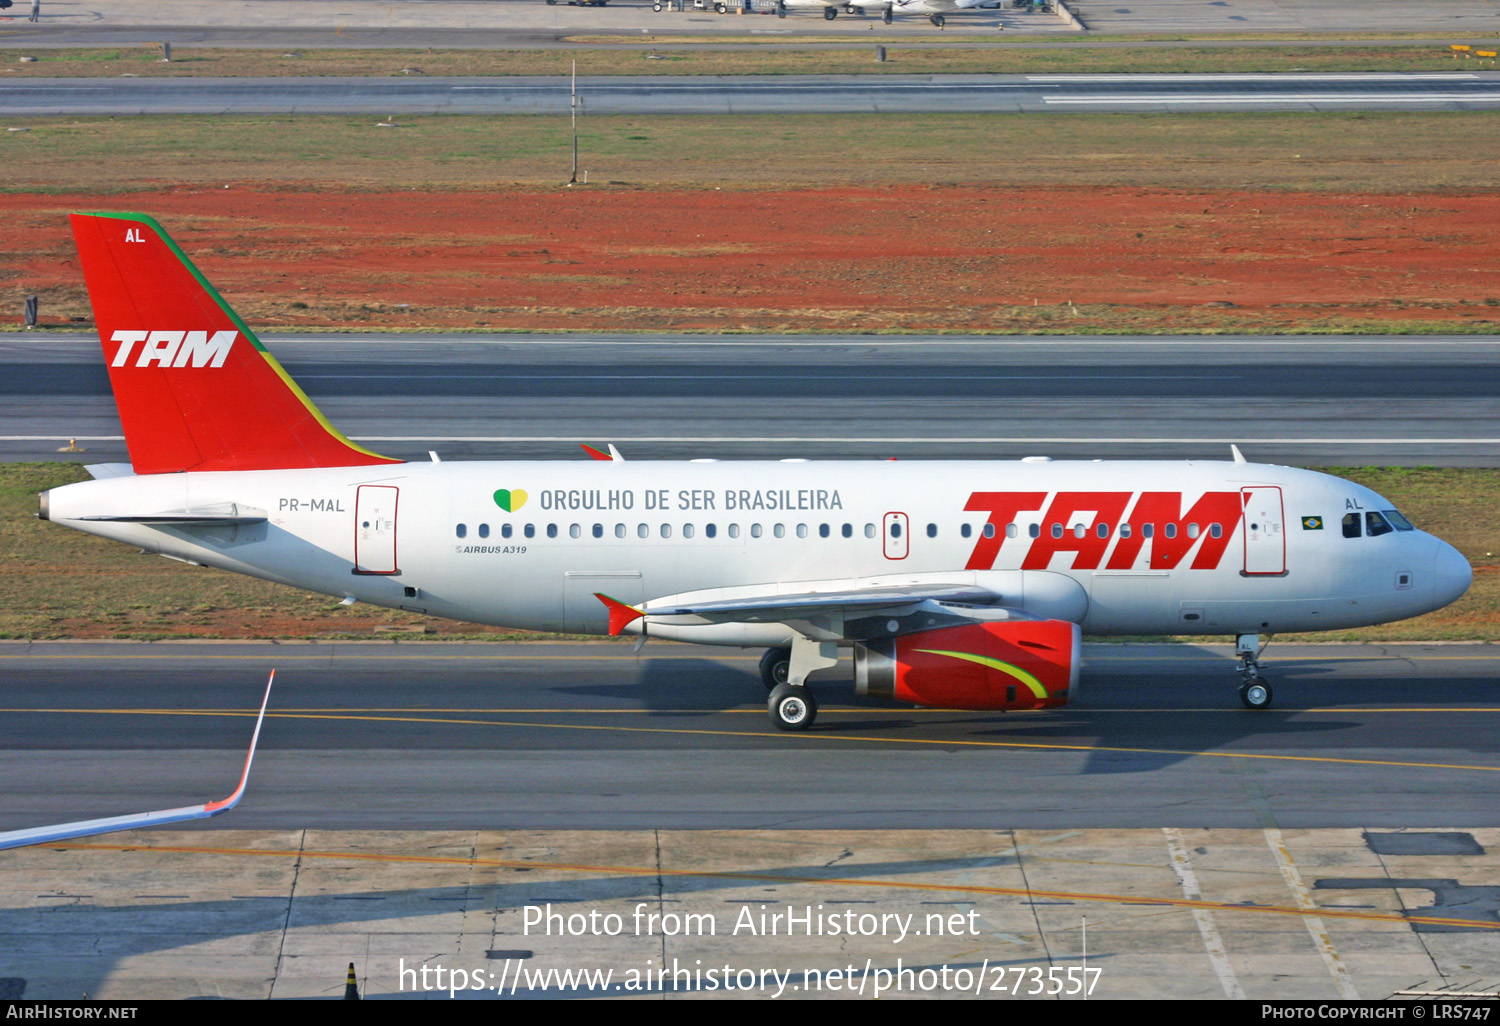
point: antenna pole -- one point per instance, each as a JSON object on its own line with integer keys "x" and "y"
{"x": 574, "y": 106}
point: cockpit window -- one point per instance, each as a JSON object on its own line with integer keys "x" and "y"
{"x": 1376, "y": 525}
{"x": 1399, "y": 522}
{"x": 1351, "y": 525}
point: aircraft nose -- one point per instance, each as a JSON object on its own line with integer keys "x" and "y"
{"x": 1452, "y": 575}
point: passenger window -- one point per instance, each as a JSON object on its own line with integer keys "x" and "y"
{"x": 895, "y": 529}
{"x": 848, "y": 530}
{"x": 484, "y": 530}
{"x": 598, "y": 530}
{"x": 461, "y": 530}
{"x": 530, "y": 531}
{"x": 1170, "y": 530}
{"x": 1011, "y": 531}
{"x": 1057, "y": 531}
{"x": 823, "y": 531}
{"x": 1215, "y": 531}
{"x": 619, "y": 530}
{"x": 1148, "y": 530}
{"x": 801, "y": 530}
{"x": 1193, "y": 531}
{"x": 989, "y": 530}
{"x": 687, "y": 530}
{"x": 932, "y": 530}
{"x": 869, "y": 530}
{"x": 1124, "y": 530}
{"x": 1375, "y": 525}
{"x": 574, "y": 531}
{"x": 966, "y": 530}
{"x": 666, "y": 530}
{"x": 1079, "y": 530}
{"x": 755, "y": 530}
{"x": 505, "y": 530}
{"x": 642, "y": 531}
{"x": 1351, "y": 525}
{"x": 734, "y": 530}
{"x": 1034, "y": 530}
{"x": 779, "y": 530}
{"x": 551, "y": 530}
{"x": 1102, "y": 531}
{"x": 709, "y": 530}
{"x": 1399, "y": 522}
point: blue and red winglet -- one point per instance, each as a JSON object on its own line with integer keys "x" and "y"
{"x": 85, "y": 827}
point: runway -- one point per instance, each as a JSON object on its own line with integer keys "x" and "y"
{"x": 537, "y": 736}
{"x": 1299, "y": 400}
{"x": 752, "y": 94}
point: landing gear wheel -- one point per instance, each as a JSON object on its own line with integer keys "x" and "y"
{"x": 781, "y": 10}
{"x": 656, "y": 7}
{"x": 888, "y": 17}
{"x": 774, "y": 667}
{"x": 938, "y": 20}
{"x": 792, "y": 707}
{"x": 829, "y": 13}
{"x": 1256, "y": 693}
{"x": 721, "y": 8}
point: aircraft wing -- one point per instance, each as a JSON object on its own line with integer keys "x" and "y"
{"x": 85, "y": 827}
{"x": 852, "y": 599}
{"x": 776, "y": 608}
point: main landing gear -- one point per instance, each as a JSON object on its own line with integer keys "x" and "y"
{"x": 784, "y": 671}
{"x": 938, "y": 20}
{"x": 829, "y": 13}
{"x": 791, "y": 707}
{"x": 1254, "y": 691}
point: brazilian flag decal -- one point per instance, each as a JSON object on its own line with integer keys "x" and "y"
{"x": 1312, "y": 523}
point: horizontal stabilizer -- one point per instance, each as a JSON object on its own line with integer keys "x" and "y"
{"x": 220, "y": 515}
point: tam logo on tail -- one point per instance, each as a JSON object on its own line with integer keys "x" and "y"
{"x": 247, "y": 415}
{"x": 173, "y": 348}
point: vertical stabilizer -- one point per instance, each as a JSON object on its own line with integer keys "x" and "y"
{"x": 195, "y": 388}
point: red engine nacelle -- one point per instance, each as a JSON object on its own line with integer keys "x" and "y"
{"x": 1009, "y": 664}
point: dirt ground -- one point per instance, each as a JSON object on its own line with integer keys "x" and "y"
{"x": 900, "y": 258}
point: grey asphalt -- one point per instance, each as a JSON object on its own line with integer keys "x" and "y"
{"x": 431, "y": 736}
{"x": 752, "y": 94}
{"x": 1299, "y": 400}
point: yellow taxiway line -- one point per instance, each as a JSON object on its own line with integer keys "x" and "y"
{"x": 798, "y": 736}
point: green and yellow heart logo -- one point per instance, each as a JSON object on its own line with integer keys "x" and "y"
{"x": 510, "y": 499}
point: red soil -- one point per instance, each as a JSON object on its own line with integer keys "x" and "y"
{"x": 950, "y": 258}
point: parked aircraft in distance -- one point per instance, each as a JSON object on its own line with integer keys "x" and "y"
{"x": 955, "y": 584}
{"x": 934, "y": 10}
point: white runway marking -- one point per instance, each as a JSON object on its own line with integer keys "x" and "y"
{"x": 1285, "y": 98}
{"x": 1315, "y": 928}
{"x": 1213, "y": 942}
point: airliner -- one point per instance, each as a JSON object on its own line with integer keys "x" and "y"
{"x": 960, "y": 584}
{"x": 935, "y": 10}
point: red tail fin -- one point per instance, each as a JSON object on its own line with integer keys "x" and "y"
{"x": 196, "y": 389}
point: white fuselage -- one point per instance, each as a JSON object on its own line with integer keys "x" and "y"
{"x": 1264, "y": 552}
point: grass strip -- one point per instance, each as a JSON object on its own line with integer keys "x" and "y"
{"x": 665, "y": 55}
{"x": 1387, "y": 152}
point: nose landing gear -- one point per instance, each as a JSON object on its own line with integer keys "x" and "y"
{"x": 1255, "y": 692}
